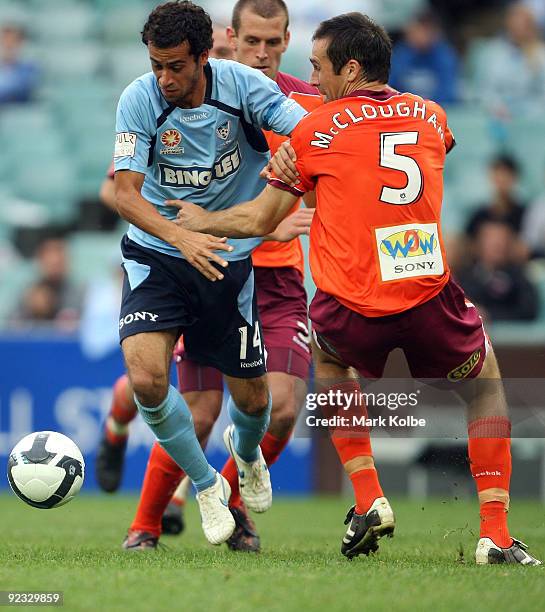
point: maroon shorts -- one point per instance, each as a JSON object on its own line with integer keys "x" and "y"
{"x": 442, "y": 338}
{"x": 282, "y": 305}
{"x": 193, "y": 376}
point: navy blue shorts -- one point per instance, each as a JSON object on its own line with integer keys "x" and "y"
{"x": 219, "y": 320}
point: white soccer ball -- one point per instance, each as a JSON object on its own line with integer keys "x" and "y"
{"x": 46, "y": 469}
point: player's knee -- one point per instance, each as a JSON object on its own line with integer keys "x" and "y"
{"x": 282, "y": 423}
{"x": 283, "y": 415}
{"x": 150, "y": 387}
{"x": 205, "y": 406}
{"x": 326, "y": 366}
{"x": 254, "y": 399}
{"x": 203, "y": 422}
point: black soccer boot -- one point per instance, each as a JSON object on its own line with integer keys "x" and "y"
{"x": 364, "y": 530}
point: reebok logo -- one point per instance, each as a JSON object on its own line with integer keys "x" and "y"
{"x": 137, "y": 316}
{"x": 487, "y": 473}
{"x": 252, "y": 364}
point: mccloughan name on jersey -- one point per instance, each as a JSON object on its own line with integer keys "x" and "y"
{"x": 417, "y": 109}
{"x": 210, "y": 155}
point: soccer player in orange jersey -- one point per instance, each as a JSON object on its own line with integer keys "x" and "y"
{"x": 375, "y": 158}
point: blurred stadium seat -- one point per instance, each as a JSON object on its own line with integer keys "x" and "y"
{"x": 67, "y": 21}
{"x": 122, "y": 22}
{"x": 129, "y": 62}
{"x": 94, "y": 255}
{"x": 60, "y": 62}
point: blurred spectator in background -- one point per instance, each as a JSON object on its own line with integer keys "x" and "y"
{"x": 496, "y": 282}
{"x": 52, "y": 297}
{"x": 538, "y": 10}
{"x": 533, "y": 226}
{"x": 504, "y": 206}
{"x": 424, "y": 63}
{"x": 39, "y": 306}
{"x": 512, "y": 79}
{"x": 18, "y": 77}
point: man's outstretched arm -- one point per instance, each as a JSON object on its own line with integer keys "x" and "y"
{"x": 257, "y": 217}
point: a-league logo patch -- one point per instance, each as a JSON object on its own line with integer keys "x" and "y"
{"x": 224, "y": 130}
{"x": 171, "y": 139}
{"x": 462, "y": 371}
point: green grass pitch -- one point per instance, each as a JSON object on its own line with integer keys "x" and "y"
{"x": 428, "y": 565}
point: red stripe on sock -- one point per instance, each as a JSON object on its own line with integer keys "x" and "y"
{"x": 123, "y": 408}
{"x": 114, "y": 438}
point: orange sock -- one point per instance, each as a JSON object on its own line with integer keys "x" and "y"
{"x": 271, "y": 447}
{"x": 489, "y": 449}
{"x": 122, "y": 412}
{"x": 160, "y": 481}
{"x": 351, "y": 443}
{"x": 494, "y": 523}
{"x": 366, "y": 489}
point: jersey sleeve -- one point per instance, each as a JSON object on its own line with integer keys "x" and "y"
{"x": 134, "y": 130}
{"x": 447, "y": 135}
{"x": 450, "y": 142}
{"x": 307, "y": 182}
{"x": 265, "y": 105}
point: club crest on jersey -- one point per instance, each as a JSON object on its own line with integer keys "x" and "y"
{"x": 224, "y": 130}
{"x": 171, "y": 139}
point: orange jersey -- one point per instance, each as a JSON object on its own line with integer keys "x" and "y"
{"x": 376, "y": 161}
{"x": 272, "y": 254}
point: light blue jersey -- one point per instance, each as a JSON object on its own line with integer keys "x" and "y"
{"x": 210, "y": 155}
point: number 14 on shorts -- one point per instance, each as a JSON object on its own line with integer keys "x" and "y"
{"x": 256, "y": 340}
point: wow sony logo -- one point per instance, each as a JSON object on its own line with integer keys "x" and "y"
{"x": 408, "y": 251}
{"x": 199, "y": 177}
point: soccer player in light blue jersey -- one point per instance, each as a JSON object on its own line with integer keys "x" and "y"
{"x": 191, "y": 130}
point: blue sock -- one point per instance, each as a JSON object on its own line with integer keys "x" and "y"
{"x": 249, "y": 430}
{"x": 172, "y": 424}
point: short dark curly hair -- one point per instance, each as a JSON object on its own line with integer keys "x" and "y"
{"x": 173, "y": 23}
{"x": 356, "y": 36}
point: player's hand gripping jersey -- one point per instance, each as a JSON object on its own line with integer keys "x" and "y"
{"x": 376, "y": 160}
{"x": 210, "y": 155}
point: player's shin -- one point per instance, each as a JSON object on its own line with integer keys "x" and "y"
{"x": 172, "y": 424}
{"x": 249, "y": 429}
{"x": 353, "y": 445}
{"x": 489, "y": 449}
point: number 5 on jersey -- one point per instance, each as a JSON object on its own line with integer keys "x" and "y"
{"x": 256, "y": 340}
{"x": 403, "y": 163}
